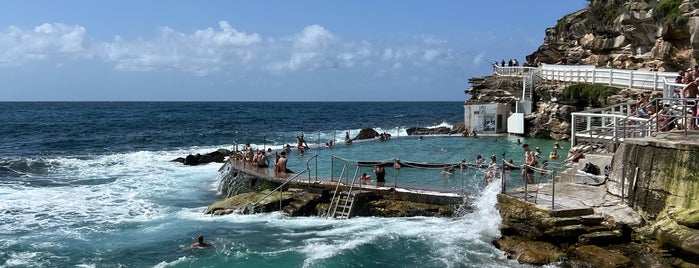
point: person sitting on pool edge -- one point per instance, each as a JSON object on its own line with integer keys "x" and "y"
{"x": 200, "y": 243}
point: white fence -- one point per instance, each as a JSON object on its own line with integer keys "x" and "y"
{"x": 656, "y": 81}
{"x": 610, "y": 124}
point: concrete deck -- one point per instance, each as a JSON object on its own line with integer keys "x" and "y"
{"x": 573, "y": 196}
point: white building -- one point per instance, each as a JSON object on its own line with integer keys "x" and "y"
{"x": 486, "y": 118}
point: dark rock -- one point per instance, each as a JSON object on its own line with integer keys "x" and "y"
{"x": 366, "y": 133}
{"x": 413, "y": 131}
{"x": 217, "y": 156}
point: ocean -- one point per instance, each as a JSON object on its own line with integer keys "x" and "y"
{"x": 91, "y": 184}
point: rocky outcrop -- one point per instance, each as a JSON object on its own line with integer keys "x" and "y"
{"x": 625, "y": 34}
{"x": 494, "y": 89}
{"x": 366, "y": 133}
{"x": 217, "y": 156}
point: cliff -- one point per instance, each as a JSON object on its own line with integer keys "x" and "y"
{"x": 630, "y": 34}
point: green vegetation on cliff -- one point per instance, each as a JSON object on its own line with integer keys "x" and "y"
{"x": 667, "y": 10}
{"x": 594, "y": 95}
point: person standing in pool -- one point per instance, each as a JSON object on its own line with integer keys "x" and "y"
{"x": 380, "y": 175}
{"x": 280, "y": 166}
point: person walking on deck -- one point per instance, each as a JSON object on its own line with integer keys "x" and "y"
{"x": 529, "y": 162}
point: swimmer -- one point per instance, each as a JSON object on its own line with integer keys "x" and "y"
{"x": 200, "y": 243}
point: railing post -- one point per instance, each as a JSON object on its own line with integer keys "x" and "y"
{"x": 630, "y": 79}
{"x": 553, "y": 190}
{"x": 655, "y": 81}
{"x": 611, "y": 73}
{"x": 572, "y": 130}
{"x": 594, "y": 72}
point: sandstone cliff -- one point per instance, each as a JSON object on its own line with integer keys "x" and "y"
{"x": 633, "y": 34}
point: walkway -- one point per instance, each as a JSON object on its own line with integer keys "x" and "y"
{"x": 305, "y": 179}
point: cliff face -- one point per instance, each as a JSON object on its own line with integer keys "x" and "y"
{"x": 633, "y": 34}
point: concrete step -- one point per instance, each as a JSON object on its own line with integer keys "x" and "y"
{"x": 566, "y": 213}
{"x": 601, "y": 238}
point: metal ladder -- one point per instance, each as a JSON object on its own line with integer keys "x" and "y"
{"x": 342, "y": 202}
{"x": 343, "y": 205}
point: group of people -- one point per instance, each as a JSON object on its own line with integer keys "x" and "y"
{"x": 383, "y": 137}
{"x": 260, "y": 158}
{"x": 510, "y": 63}
{"x": 379, "y": 172}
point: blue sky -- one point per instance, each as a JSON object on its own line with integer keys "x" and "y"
{"x": 262, "y": 50}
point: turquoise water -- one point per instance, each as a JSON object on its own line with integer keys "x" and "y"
{"x": 92, "y": 185}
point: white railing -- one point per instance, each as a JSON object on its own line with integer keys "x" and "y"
{"x": 517, "y": 71}
{"x": 614, "y": 127}
{"x": 656, "y": 81}
{"x": 614, "y": 77}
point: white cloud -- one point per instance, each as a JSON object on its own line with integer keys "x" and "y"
{"x": 205, "y": 51}
{"x": 45, "y": 41}
{"x": 479, "y": 58}
{"x": 201, "y": 52}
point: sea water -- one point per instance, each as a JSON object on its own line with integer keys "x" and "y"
{"x": 91, "y": 184}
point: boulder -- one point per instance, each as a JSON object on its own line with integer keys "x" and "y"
{"x": 366, "y": 133}
{"x": 529, "y": 252}
{"x": 599, "y": 257}
{"x": 217, "y": 156}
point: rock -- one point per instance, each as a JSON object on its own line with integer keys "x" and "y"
{"x": 587, "y": 36}
{"x": 398, "y": 208}
{"x": 302, "y": 204}
{"x": 458, "y": 128}
{"x": 366, "y": 133}
{"x": 529, "y": 252}
{"x": 217, "y": 156}
{"x": 428, "y": 131}
{"x": 600, "y": 257}
{"x": 242, "y": 203}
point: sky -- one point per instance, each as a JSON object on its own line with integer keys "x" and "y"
{"x": 262, "y": 50}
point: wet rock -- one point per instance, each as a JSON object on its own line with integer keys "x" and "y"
{"x": 599, "y": 257}
{"x": 397, "y": 208}
{"x": 217, "y": 156}
{"x": 249, "y": 202}
{"x": 366, "y": 133}
{"x": 302, "y": 204}
{"x": 529, "y": 252}
{"x": 428, "y": 131}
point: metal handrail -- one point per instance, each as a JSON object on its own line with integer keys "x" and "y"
{"x": 287, "y": 181}
{"x": 551, "y": 172}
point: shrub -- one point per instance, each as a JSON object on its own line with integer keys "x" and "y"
{"x": 594, "y": 95}
{"x": 667, "y": 10}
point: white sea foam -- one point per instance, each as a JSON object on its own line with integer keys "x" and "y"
{"x": 172, "y": 263}
{"x": 97, "y": 192}
{"x": 451, "y": 241}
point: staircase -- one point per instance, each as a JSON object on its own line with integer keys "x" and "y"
{"x": 583, "y": 227}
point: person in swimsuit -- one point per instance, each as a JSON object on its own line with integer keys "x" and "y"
{"x": 280, "y": 166}
{"x": 200, "y": 243}
{"x": 380, "y": 175}
{"x": 529, "y": 162}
